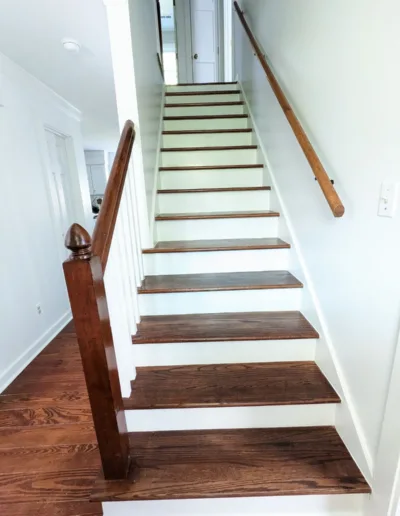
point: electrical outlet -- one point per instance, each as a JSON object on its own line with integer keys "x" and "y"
{"x": 39, "y": 309}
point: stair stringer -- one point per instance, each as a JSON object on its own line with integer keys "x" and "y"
{"x": 347, "y": 421}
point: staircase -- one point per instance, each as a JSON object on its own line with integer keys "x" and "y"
{"x": 228, "y": 401}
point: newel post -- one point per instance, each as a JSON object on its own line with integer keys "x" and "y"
{"x": 84, "y": 277}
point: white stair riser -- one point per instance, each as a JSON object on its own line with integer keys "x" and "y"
{"x": 319, "y": 505}
{"x": 206, "y": 124}
{"x": 214, "y": 178}
{"x": 226, "y": 352}
{"x": 216, "y": 261}
{"x": 278, "y": 416}
{"x": 204, "y": 87}
{"x": 216, "y": 302}
{"x": 213, "y": 201}
{"x": 206, "y": 140}
{"x": 202, "y": 99}
{"x": 217, "y": 157}
{"x": 204, "y": 229}
{"x": 204, "y": 110}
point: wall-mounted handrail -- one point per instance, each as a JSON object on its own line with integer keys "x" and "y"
{"x": 105, "y": 224}
{"x": 84, "y": 276}
{"x": 320, "y": 173}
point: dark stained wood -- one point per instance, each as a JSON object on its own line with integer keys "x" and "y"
{"x": 209, "y": 131}
{"x": 196, "y": 246}
{"x": 85, "y": 284}
{"x": 217, "y": 215}
{"x": 236, "y": 463}
{"x": 49, "y": 456}
{"x": 217, "y": 190}
{"x": 204, "y": 83}
{"x": 205, "y": 104}
{"x": 105, "y": 224}
{"x": 241, "y": 326}
{"x": 230, "y": 385}
{"x": 218, "y": 282}
{"x": 203, "y": 117}
{"x": 199, "y": 149}
{"x": 55, "y": 509}
{"x": 320, "y": 173}
{"x": 160, "y": 37}
{"x": 211, "y": 167}
{"x": 191, "y": 93}
{"x": 160, "y": 65}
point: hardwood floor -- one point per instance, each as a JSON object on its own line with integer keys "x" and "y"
{"x": 48, "y": 451}
{"x": 240, "y": 244}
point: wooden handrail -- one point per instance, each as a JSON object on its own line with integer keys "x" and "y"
{"x": 320, "y": 173}
{"x": 105, "y": 224}
{"x": 84, "y": 276}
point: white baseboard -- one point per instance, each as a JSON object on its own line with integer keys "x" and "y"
{"x": 156, "y": 172}
{"x": 28, "y": 355}
{"x": 347, "y": 421}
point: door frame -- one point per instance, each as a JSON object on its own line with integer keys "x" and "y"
{"x": 183, "y": 26}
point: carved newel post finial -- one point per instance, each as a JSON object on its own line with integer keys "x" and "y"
{"x": 78, "y": 241}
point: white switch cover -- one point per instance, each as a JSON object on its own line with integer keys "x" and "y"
{"x": 388, "y": 200}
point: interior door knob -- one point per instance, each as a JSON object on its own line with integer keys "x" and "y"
{"x": 196, "y": 56}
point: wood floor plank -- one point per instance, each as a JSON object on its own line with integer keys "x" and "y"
{"x": 49, "y": 458}
{"x": 46, "y": 508}
{"x": 210, "y": 131}
{"x": 200, "y": 93}
{"x": 236, "y": 463}
{"x": 218, "y": 282}
{"x": 217, "y": 215}
{"x": 33, "y": 437}
{"x": 230, "y": 385}
{"x": 61, "y": 486}
{"x": 241, "y": 326}
{"x": 240, "y": 244}
{"x": 206, "y": 149}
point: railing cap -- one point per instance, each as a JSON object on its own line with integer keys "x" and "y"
{"x": 78, "y": 241}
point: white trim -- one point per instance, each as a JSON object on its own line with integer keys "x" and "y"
{"x": 156, "y": 172}
{"x": 347, "y": 421}
{"x": 29, "y": 354}
{"x": 228, "y": 43}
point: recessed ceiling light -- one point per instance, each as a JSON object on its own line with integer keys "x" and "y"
{"x": 71, "y": 45}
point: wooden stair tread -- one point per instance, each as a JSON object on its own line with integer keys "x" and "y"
{"x": 217, "y": 215}
{"x": 199, "y": 93}
{"x": 239, "y": 244}
{"x": 204, "y": 117}
{"x": 203, "y": 149}
{"x": 210, "y": 167}
{"x": 204, "y": 104}
{"x": 209, "y": 131}
{"x": 218, "y": 282}
{"x": 240, "y": 326}
{"x": 235, "y": 463}
{"x": 205, "y": 84}
{"x": 217, "y": 190}
{"x": 229, "y": 385}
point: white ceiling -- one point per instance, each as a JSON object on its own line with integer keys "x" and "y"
{"x": 30, "y": 34}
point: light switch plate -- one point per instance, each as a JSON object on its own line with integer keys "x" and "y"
{"x": 388, "y": 199}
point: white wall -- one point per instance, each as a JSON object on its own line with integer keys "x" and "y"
{"x": 31, "y": 251}
{"x": 335, "y": 62}
{"x": 149, "y": 89}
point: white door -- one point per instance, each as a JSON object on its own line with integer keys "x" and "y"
{"x": 60, "y": 184}
{"x": 204, "y": 14}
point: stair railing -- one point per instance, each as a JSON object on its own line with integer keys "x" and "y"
{"x": 320, "y": 173}
{"x": 84, "y": 274}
